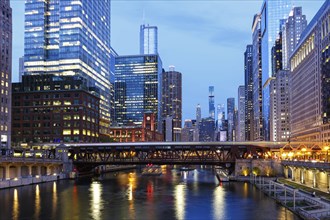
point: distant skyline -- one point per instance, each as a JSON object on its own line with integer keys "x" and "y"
{"x": 204, "y": 40}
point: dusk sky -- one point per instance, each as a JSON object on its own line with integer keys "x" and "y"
{"x": 204, "y": 40}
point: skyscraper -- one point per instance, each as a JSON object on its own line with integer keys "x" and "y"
{"x": 272, "y": 12}
{"x": 137, "y": 89}
{"x": 240, "y": 132}
{"x": 148, "y": 39}
{"x": 211, "y": 102}
{"x": 309, "y": 98}
{"x": 206, "y": 130}
{"x": 172, "y": 99}
{"x": 221, "y": 117}
{"x": 230, "y": 117}
{"x": 71, "y": 38}
{"x": 20, "y": 68}
{"x": 291, "y": 31}
{"x": 198, "y": 113}
{"x": 5, "y": 69}
{"x": 257, "y": 80}
{"x": 248, "y": 73}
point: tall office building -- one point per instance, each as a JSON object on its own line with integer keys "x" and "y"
{"x": 5, "y": 70}
{"x": 257, "y": 132}
{"x": 71, "y": 38}
{"x": 198, "y": 113}
{"x": 276, "y": 66}
{"x": 248, "y": 75}
{"x": 211, "y": 102}
{"x": 206, "y": 130}
{"x": 309, "y": 99}
{"x": 291, "y": 31}
{"x": 137, "y": 89}
{"x": 148, "y": 39}
{"x": 221, "y": 116}
{"x": 172, "y": 99}
{"x": 240, "y": 131}
{"x": 231, "y": 118}
{"x": 282, "y": 105}
{"x": 272, "y": 12}
{"x": 188, "y": 131}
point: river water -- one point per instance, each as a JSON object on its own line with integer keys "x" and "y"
{"x": 128, "y": 195}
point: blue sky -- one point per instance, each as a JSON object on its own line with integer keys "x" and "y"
{"x": 204, "y": 40}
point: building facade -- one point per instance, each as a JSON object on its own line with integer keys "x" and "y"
{"x": 206, "y": 130}
{"x": 309, "y": 80}
{"x": 231, "y": 118}
{"x": 189, "y": 131}
{"x": 71, "y": 38}
{"x": 5, "y": 73}
{"x": 144, "y": 133}
{"x": 138, "y": 88}
{"x": 211, "y": 102}
{"x": 272, "y": 12}
{"x": 257, "y": 80}
{"x": 172, "y": 100}
{"x": 148, "y": 39}
{"x": 291, "y": 31}
{"x": 240, "y": 132}
{"x": 248, "y": 75}
{"x": 54, "y": 109}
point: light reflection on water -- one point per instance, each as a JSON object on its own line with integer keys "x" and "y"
{"x": 180, "y": 201}
{"x": 96, "y": 202}
{"x": 173, "y": 195}
{"x": 15, "y": 205}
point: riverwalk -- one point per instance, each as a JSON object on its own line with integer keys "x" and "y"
{"x": 304, "y": 204}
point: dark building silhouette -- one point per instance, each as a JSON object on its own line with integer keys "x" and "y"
{"x": 54, "y": 109}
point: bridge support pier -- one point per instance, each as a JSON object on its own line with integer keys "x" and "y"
{"x": 302, "y": 175}
{"x": 315, "y": 178}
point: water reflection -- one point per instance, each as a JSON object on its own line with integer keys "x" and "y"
{"x": 96, "y": 202}
{"x": 180, "y": 201}
{"x": 219, "y": 208}
{"x": 15, "y": 205}
{"x": 37, "y": 203}
{"x": 131, "y": 187}
{"x": 54, "y": 200}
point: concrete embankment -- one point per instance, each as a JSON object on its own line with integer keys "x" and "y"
{"x": 16, "y": 182}
{"x": 306, "y": 205}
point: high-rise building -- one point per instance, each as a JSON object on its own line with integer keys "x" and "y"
{"x": 257, "y": 133}
{"x": 211, "y": 102}
{"x": 172, "y": 100}
{"x": 137, "y": 89}
{"x": 291, "y": 31}
{"x": 20, "y": 68}
{"x": 206, "y": 130}
{"x": 198, "y": 113}
{"x": 240, "y": 132}
{"x": 54, "y": 109}
{"x": 148, "y": 39}
{"x": 5, "y": 76}
{"x": 248, "y": 74}
{"x": 309, "y": 80}
{"x": 188, "y": 131}
{"x": 71, "y": 38}
{"x": 221, "y": 117}
{"x": 272, "y": 12}
{"x": 276, "y": 66}
{"x": 282, "y": 105}
{"x": 230, "y": 117}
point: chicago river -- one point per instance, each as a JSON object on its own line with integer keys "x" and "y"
{"x": 175, "y": 194}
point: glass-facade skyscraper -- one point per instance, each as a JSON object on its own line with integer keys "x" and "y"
{"x": 248, "y": 76}
{"x": 211, "y": 102}
{"x": 231, "y": 118}
{"x": 5, "y": 73}
{"x": 71, "y": 37}
{"x": 148, "y": 39}
{"x": 272, "y": 12}
{"x": 137, "y": 89}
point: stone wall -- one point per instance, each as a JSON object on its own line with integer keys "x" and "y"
{"x": 246, "y": 167}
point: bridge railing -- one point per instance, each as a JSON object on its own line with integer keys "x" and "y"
{"x": 309, "y": 164}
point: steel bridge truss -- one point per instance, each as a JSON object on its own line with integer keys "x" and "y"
{"x": 197, "y": 155}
